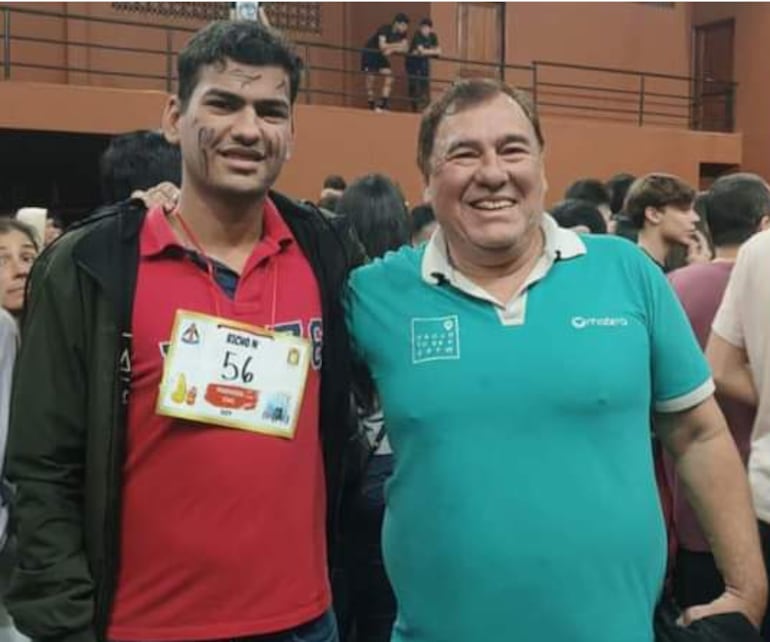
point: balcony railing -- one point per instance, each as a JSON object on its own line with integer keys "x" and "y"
{"x": 72, "y": 48}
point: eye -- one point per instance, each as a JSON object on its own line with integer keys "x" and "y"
{"x": 514, "y": 150}
{"x": 220, "y": 104}
{"x": 274, "y": 114}
{"x": 463, "y": 155}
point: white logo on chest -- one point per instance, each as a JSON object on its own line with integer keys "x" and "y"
{"x": 580, "y": 323}
{"x": 435, "y": 339}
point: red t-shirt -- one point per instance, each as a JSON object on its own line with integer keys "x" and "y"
{"x": 223, "y": 531}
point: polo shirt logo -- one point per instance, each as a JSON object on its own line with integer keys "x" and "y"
{"x": 580, "y": 323}
{"x": 435, "y": 339}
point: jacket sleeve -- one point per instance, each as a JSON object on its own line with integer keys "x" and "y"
{"x": 52, "y": 591}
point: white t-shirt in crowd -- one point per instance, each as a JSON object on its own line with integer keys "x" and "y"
{"x": 743, "y": 320}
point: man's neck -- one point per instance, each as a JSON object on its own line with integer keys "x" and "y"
{"x": 501, "y": 276}
{"x": 219, "y": 225}
{"x": 652, "y": 243}
{"x": 727, "y": 253}
{"x": 224, "y": 230}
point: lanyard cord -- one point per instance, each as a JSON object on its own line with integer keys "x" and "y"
{"x": 213, "y": 286}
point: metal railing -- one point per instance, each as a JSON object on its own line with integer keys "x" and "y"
{"x": 32, "y": 49}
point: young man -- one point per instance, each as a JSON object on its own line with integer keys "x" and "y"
{"x": 375, "y": 59}
{"x": 187, "y": 379}
{"x": 660, "y": 206}
{"x": 736, "y": 207}
{"x": 520, "y": 368}
{"x": 424, "y": 47}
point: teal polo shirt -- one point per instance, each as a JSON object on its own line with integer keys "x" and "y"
{"x": 523, "y": 505}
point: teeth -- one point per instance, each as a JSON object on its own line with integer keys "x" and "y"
{"x": 493, "y": 205}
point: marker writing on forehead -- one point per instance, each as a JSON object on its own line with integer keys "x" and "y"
{"x": 244, "y": 78}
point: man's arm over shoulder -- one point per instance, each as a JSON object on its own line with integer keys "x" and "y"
{"x": 51, "y": 595}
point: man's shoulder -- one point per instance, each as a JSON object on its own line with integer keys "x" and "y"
{"x": 609, "y": 247}
{"x": 120, "y": 218}
{"x": 700, "y": 274}
{"x": 757, "y": 249}
{"x": 390, "y": 270}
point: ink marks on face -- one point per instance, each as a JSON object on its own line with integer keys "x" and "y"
{"x": 205, "y": 141}
{"x": 237, "y": 129}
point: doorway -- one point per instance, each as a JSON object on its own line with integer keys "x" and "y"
{"x": 714, "y": 95}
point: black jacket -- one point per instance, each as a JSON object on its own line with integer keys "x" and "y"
{"x": 68, "y": 413}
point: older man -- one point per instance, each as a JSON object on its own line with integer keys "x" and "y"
{"x": 517, "y": 365}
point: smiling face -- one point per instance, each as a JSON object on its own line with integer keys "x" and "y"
{"x": 487, "y": 180}
{"x": 236, "y": 131}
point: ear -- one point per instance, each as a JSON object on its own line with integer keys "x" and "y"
{"x": 653, "y": 215}
{"x": 764, "y": 223}
{"x": 172, "y": 113}
{"x": 290, "y": 142}
{"x": 427, "y": 193}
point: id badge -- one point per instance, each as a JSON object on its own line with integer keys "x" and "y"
{"x": 232, "y": 374}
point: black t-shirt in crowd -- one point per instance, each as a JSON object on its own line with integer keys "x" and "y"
{"x": 391, "y": 35}
{"x": 416, "y": 63}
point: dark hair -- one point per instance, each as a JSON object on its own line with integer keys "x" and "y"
{"x": 421, "y": 216}
{"x": 735, "y": 205}
{"x": 618, "y": 186}
{"x": 589, "y": 189}
{"x": 8, "y": 225}
{"x": 245, "y": 41}
{"x": 137, "y": 161}
{"x": 56, "y": 222}
{"x": 462, "y": 95}
{"x": 335, "y": 181}
{"x": 376, "y": 209}
{"x": 573, "y": 212}
{"x": 624, "y": 228}
{"x": 401, "y": 17}
{"x": 658, "y": 191}
{"x": 426, "y": 22}
{"x": 329, "y": 202}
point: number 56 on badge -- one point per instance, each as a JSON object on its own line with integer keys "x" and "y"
{"x": 231, "y": 374}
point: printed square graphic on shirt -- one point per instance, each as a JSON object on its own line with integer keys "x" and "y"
{"x": 436, "y": 338}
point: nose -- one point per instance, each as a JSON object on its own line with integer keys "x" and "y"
{"x": 694, "y": 216}
{"x": 247, "y": 127}
{"x": 491, "y": 172}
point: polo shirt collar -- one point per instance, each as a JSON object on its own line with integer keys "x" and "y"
{"x": 559, "y": 244}
{"x": 159, "y": 236}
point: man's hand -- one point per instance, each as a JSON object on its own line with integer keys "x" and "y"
{"x": 729, "y": 602}
{"x": 164, "y": 194}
